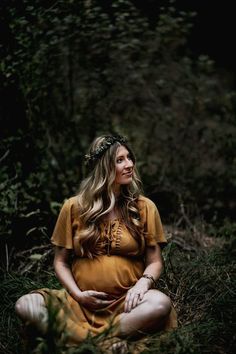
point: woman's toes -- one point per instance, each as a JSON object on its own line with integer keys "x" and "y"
{"x": 120, "y": 347}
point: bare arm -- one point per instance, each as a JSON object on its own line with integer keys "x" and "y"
{"x": 154, "y": 262}
{"x": 154, "y": 266}
{"x": 63, "y": 272}
{"x": 90, "y": 298}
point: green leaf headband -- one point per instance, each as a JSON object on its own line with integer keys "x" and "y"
{"x": 106, "y": 144}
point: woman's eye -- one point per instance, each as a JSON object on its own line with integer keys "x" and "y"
{"x": 119, "y": 160}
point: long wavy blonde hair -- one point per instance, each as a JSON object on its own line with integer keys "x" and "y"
{"x": 96, "y": 199}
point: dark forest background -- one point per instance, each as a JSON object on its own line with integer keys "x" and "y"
{"x": 162, "y": 73}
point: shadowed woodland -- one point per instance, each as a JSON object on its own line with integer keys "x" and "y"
{"x": 71, "y": 70}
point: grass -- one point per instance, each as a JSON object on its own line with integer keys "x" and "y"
{"x": 199, "y": 277}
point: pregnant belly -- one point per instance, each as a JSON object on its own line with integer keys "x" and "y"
{"x": 111, "y": 274}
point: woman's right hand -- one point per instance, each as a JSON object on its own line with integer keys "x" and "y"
{"x": 94, "y": 300}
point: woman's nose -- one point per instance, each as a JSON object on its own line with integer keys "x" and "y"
{"x": 129, "y": 163}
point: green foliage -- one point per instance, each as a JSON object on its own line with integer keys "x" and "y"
{"x": 72, "y": 70}
{"x": 21, "y": 206}
{"x": 81, "y": 68}
{"x": 200, "y": 282}
{"x": 205, "y": 287}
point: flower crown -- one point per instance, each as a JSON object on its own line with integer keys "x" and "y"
{"x": 109, "y": 140}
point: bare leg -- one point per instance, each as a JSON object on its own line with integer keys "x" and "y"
{"x": 150, "y": 314}
{"x": 31, "y": 309}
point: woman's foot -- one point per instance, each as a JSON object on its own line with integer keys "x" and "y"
{"x": 115, "y": 345}
{"x": 119, "y": 347}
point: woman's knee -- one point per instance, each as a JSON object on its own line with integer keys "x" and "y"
{"x": 160, "y": 304}
{"x": 32, "y": 310}
{"x": 28, "y": 305}
{"x": 20, "y": 306}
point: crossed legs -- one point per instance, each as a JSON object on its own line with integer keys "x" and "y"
{"x": 150, "y": 314}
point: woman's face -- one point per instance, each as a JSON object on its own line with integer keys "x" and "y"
{"x": 124, "y": 166}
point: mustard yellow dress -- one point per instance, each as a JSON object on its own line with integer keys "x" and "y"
{"x": 115, "y": 271}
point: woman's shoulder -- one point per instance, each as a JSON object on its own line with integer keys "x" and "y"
{"x": 73, "y": 200}
{"x": 144, "y": 201}
{"x": 71, "y": 204}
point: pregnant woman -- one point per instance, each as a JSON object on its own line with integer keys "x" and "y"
{"x": 108, "y": 240}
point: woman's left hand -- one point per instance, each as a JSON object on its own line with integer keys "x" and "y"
{"x": 136, "y": 293}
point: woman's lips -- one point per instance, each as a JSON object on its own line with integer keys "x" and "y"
{"x": 128, "y": 174}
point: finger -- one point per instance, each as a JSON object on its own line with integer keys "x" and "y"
{"x": 129, "y": 295}
{"x": 107, "y": 302}
{"x": 135, "y": 300}
{"x": 89, "y": 292}
{"x": 129, "y": 302}
{"x": 129, "y": 305}
{"x": 126, "y": 302}
{"x": 141, "y": 295}
{"x": 93, "y": 293}
{"x": 126, "y": 305}
{"x": 100, "y": 295}
{"x": 102, "y": 303}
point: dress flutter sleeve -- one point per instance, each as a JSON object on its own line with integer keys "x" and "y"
{"x": 153, "y": 230}
{"x": 62, "y": 234}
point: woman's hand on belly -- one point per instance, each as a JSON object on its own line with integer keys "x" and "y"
{"x": 94, "y": 300}
{"x": 136, "y": 294}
